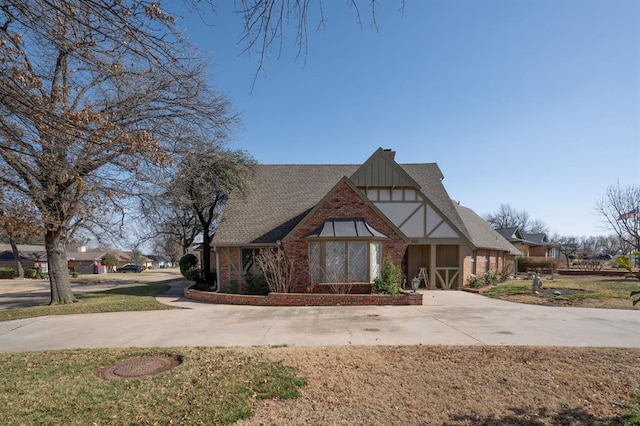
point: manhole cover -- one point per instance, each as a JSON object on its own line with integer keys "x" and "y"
{"x": 139, "y": 367}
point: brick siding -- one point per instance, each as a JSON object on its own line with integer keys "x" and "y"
{"x": 343, "y": 203}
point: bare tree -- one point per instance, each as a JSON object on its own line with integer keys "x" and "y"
{"x": 508, "y": 217}
{"x": 171, "y": 223}
{"x": 620, "y": 209}
{"x": 277, "y": 269}
{"x": 267, "y": 21}
{"x": 569, "y": 246}
{"x": 165, "y": 246}
{"x": 92, "y": 94}
{"x": 204, "y": 179}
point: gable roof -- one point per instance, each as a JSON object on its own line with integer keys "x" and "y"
{"x": 282, "y": 195}
{"x": 24, "y": 255}
{"x": 381, "y": 171}
{"x": 482, "y": 235}
{"x": 539, "y": 239}
{"x": 514, "y": 235}
{"x": 357, "y": 192}
{"x": 511, "y": 234}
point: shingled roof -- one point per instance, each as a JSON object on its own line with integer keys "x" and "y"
{"x": 482, "y": 235}
{"x": 281, "y": 196}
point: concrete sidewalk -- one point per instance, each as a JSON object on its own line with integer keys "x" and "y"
{"x": 446, "y": 318}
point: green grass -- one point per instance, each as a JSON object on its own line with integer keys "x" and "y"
{"x": 137, "y": 298}
{"x": 211, "y": 386}
{"x": 632, "y": 418}
{"x": 605, "y": 288}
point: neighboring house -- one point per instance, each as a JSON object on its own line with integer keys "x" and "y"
{"x": 337, "y": 222}
{"x": 124, "y": 257}
{"x": 535, "y": 245}
{"x": 83, "y": 262}
{"x": 160, "y": 262}
{"x": 32, "y": 259}
{"x": 88, "y": 262}
{"x": 33, "y": 256}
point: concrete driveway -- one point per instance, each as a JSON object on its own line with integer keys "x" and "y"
{"x": 446, "y": 318}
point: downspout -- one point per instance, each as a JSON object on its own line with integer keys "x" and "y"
{"x": 215, "y": 249}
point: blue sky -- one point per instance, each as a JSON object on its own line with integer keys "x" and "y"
{"x": 531, "y": 103}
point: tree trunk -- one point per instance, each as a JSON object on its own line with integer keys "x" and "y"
{"x": 16, "y": 256}
{"x": 206, "y": 257}
{"x": 58, "y": 269}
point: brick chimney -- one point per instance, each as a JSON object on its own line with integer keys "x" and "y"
{"x": 391, "y": 153}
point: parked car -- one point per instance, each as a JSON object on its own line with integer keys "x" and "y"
{"x": 129, "y": 268}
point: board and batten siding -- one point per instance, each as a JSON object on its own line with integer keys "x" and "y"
{"x": 410, "y": 211}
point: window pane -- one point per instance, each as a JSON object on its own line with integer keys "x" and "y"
{"x": 314, "y": 263}
{"x": 357, "y": 261}
{"x": 375, "y": 260}
{"x": 248, "y": 260}
{"x": 334, "y": 267}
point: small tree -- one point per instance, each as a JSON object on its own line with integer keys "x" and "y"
{"x": 18, "y": 221}
{"x": 187, "y": 262}
{"x": 136, "y": 256}
{"x": 620, "y": 208}
{"x": 110, "y": 260}
{"x": 277, "y": 269}
{"x": 205, "y": 177}
{"x": 566, "y": 245}
{"x": 388, "y": 280}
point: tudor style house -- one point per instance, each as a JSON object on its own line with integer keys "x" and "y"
{"x": 336, "y": 223}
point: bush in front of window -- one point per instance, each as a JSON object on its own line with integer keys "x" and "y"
{"x": 388, "y": 280}
{"x": 257, "y": 285}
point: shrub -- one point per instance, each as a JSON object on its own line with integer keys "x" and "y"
{"x": 387, "y": 281}
{"x": 7, "y": 273}
{"x": 109, "y": 260}
{"x": 589, "y": 265}
{"x": 194, "y": 274}
{"x": 30, "y": 272}
{"x": 277, "y": 269}
{"x": 485, "y": 279}
{"x": 187, "y": 262}
{"x": 232, "y": 288}
{"x": 257, "y": 285}
{"x": 546, "y": 264}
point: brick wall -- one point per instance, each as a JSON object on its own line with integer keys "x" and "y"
{"x": 305, "y": 299}
{"x": 497, "y": 261}
{"x": 229, "y": 258}
{"x": 351, "y": 288}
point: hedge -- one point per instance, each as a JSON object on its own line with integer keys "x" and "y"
{"x": 7, "y": 273}
{"x": 546, "y": 264}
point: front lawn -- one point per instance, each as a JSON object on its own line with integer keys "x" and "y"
{"x": 585, "y": 291}
{"x": 211, "y": 386}
{"x": 137, "y": 298}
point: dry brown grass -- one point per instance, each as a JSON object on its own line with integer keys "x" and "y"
{"x": 456, "y": 386}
